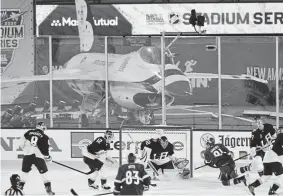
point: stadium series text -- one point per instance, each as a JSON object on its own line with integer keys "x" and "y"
{"x": 232, "y": 18}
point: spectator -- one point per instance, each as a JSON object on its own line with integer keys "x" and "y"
{"x": 6, "y": 118}
{"x": 17, "y": 121}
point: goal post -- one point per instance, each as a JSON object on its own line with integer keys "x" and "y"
{"x": 130, "y": 138}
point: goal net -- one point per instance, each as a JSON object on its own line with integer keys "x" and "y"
{"x": 132, "y": 136}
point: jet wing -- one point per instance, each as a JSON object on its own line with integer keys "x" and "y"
{"x": 62, "y": 74}
{"x": 228, "y": 77}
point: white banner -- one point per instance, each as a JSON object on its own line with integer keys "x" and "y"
{"x": 59, "y": 144}
{"x": 237, "y": 142}
{"x": 219, "y": 18}
{"x": 131, "y": 142}
{"x": 65, "y": 144}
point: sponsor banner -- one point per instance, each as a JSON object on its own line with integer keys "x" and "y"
{"x": 59, "y": 148}
{"x": 69, "y": 148}
{"x": 63, "y": 21}
{"x": 17, "y": 45}
{"x": 237, "y": 142}
{"x": 219, "y": 18}
{"x": 130, "y": 142}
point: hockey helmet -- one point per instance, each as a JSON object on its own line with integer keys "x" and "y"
{"x": 131, "y": 158}
{"x": 210, "y": 142}
{"x": 108, "y": 135}
{"x": 164, "y": 141}
{"x": 258, "y": 122}
{"x": 41, "y": 126}
{"x": 15, "y": 179}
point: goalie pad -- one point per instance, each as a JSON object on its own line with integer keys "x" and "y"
{"x": 145, "y": 156}
{"x": 185, "y": 174}
{"x": 181, "y": 163}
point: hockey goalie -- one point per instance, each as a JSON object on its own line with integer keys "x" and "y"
{"x": 158, "y": 155}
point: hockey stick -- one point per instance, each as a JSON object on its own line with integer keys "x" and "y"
{"x": 74, "y": 193}
{"x": 86, "y": 173}
{"x": 234, "y": 159}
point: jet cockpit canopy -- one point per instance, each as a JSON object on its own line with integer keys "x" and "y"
{"x": 150, "y": 54}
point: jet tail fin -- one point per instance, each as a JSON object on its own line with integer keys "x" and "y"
{"x": 85, "y": 25}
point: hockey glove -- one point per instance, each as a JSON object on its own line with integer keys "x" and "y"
{"x": 209, "y": 163}
{"x": 145, "y": 188}
{"x": 48, "y": 158}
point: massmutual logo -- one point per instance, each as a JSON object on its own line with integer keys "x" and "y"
{"x": 69, "y": 22}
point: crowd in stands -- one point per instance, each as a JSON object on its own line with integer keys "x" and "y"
{"x": 25, "y": 116}
{"x": 18, "y": 117}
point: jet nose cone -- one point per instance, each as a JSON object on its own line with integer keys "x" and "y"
{"x": 179, "y": 88}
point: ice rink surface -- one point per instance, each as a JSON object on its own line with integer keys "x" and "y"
{"x": 205, "y": 182}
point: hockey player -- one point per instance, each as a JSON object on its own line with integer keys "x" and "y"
{"x": 159, "y": 154}
{"x": 95, "y": 155}
{"x": 218, "y": 156}
{"x": 272, "y": 163}
{"x": 262, "y": 133}
{"x": 131, "y": 179}
{"x": 35, "y": 145}
{"x": 15, "y": 188}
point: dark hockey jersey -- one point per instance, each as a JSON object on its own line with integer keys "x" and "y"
{"x": 157, "y": 151}
{"x": 38, "y": 139}
{"x": 217, "y": 155}
{"x": 278, "y": 145}
{"x": 99, "y": 144}
{"x": 130, "y": 179}
{"x": 261, "y": 137}
{"x": 148, "y": 143}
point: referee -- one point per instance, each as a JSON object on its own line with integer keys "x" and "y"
{"x": 15, "y": 189}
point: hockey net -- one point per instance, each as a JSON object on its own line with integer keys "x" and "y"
{"x": 132, "y": 136}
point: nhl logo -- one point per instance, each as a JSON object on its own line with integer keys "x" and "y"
{"x": 174, "y": 18}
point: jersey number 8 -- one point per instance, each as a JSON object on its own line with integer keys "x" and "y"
{"x": 132, "y": 176}
{"x": 33, "y": 140}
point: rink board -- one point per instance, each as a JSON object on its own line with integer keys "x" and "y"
{"x": 66, "y": 144}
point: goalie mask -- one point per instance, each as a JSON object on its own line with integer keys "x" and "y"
{"x": 164, "y": 142}
{"x": 258, "y": 123}
{"x": 109, "y": 136}
{"x": 41, "y": 126}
